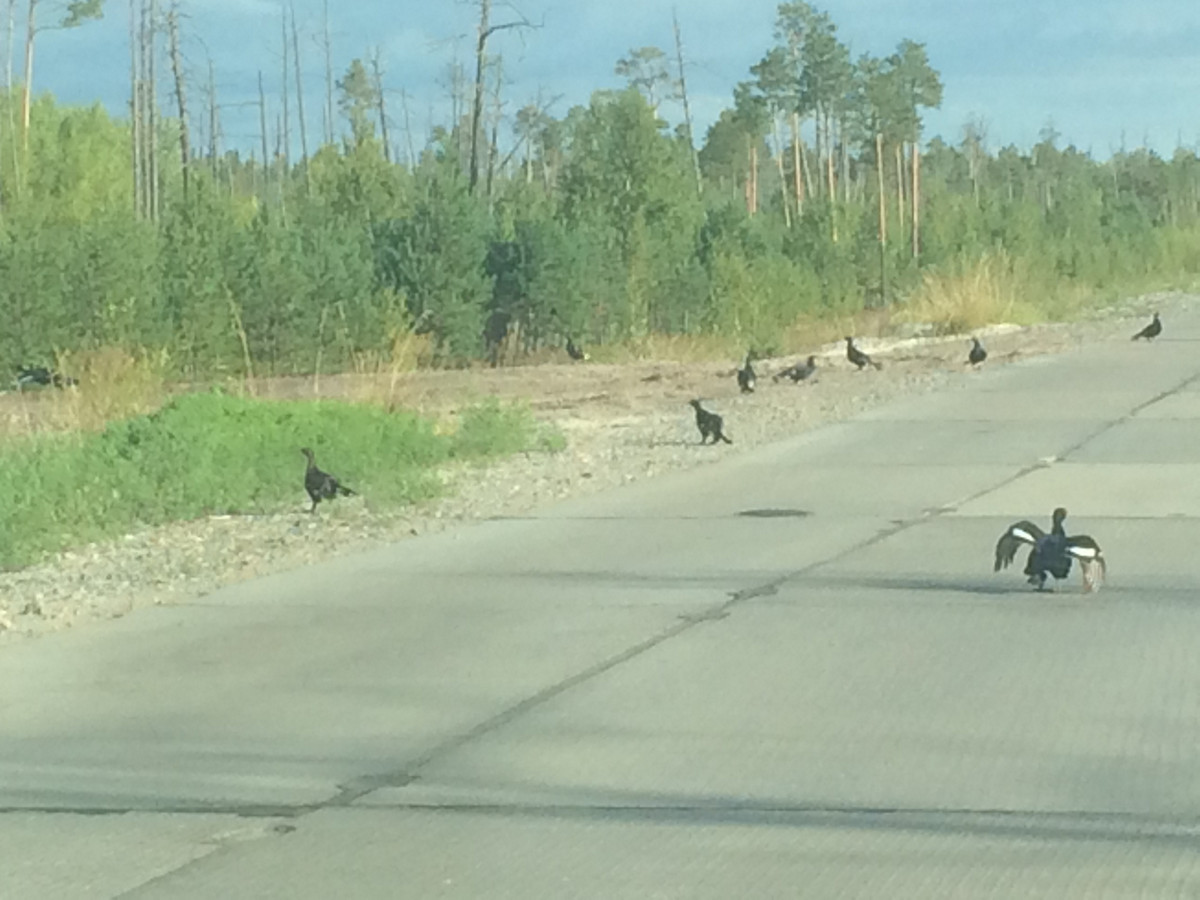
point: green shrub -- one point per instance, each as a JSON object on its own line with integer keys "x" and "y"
{"x": 492, "y": 429}
{"x": 208, "y": 454}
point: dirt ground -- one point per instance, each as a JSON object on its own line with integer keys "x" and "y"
{"x": 621, "y": 423}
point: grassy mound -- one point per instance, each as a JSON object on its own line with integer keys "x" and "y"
{"x": 207, "y": 454}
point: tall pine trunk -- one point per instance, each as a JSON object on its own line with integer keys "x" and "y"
{"x": 882, "y": 219}
{"x": 778, "y": 154}
{"x": 27, "y": 81}
{"x": 300, "y": 100}
{"x": 916, "y": 199}
{"x": 185, "y": 150}
{"x": 797, "y": 166}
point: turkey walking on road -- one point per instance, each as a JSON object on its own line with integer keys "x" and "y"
{"x": 710, "y": 424}
{"x": 1151, "y": 331}
{"x": 978, "y": 353}
{"x": 1052, "y": 553}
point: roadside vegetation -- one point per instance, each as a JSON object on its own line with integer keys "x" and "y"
{"x": 137, "y": 258}
{"x": 214, "y": 453}
{"x": 816, "y": 196}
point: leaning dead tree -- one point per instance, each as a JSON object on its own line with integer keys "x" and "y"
{"x": 327, "y": 47}
{"x": 214, "y": 124}
{"x": 687, "y": 112}
{"x": 75, "y": 13}
{"x": 285, "y": 132}
{"x": 143, "y": 15}
{"x": 300, "y": 99}
{"x": 185, "y": 150}
{"x": 262, "y": 132}
{"x": 381, "y": 108}
{"x": 486, "y": 30}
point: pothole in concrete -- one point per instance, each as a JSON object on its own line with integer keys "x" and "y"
{"x": 775, "y": 513}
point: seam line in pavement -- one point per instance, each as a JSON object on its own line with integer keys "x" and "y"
{"x": 351, "y": 791}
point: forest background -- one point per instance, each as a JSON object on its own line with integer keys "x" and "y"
{"x": 814, "y": 197}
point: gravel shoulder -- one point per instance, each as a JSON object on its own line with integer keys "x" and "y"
{"x": 621, "y": 423}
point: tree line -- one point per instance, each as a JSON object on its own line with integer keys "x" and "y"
{"x": 814, "y": 193}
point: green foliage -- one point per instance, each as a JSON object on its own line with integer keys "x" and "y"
{"x": 436, "y": 257}
{"x": 357, "y": 101}
{"x": 592, "y": 226}
{"x": 491, "y": 429}
{"x": 79, "y": 11}
{"x": 214, "y": 454}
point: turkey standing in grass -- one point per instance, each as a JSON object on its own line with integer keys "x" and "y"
{"x": 574, "y": 352}
{"x": 321, "y": 485}
{"x": 1052, "y": 553}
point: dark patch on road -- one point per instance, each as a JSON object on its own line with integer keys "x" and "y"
{"x": 775, "y": 513}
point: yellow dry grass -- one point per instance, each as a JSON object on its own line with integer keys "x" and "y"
{"x": 681, "y": 348}
{"x": 378, "y": 374}
{"x": 969, "y": 294}
{"x": 112, "y": 384}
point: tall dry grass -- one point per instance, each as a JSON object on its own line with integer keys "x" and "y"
{"x": 990, "y": 289}
{"x": 112, "y": 383}
{"x": 378, "y": 375}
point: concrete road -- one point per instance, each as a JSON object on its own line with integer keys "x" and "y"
{"x": 788, "y": 674}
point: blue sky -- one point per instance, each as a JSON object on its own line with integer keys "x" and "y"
{"x": 1107, "y": 74}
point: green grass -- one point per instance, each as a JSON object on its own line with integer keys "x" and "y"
{"x": 208, "y": 454}
{"x": 493, "y": 429}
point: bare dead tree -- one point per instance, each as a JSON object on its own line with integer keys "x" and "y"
{"x": 486, "y": 30}
{"x": 185, "y": 150}
{"x": 285, "y": 132}
{"x": 916, "y": 199}
{"x": 777, "y": 152}
{"x": 262, "y": 131}
{"x": 377, "y": 83}
{"x": 214, "y": 125}
{"x": 882, "y": 218}
{"x": 497, "y": 110}
{"x": 687, "y": 112}
{"x": 135, "y": 110}
{"x": 144, "y": 127}
{"x": 328, "y": 47}
{"x": 10, "y": 25}
{"x": 27, "y": 81}
{"x": 300, "y": 99}
{"x": 526, "y": 135}
{"x": 149, "y": 55}
{"x": 753, "y": 177}
{"x": 797, "y": 167}
{"x": 412, "y": 156}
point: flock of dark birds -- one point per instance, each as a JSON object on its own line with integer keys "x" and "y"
{"x": 711, "y": 424}
{"x": 1051, "y": 553}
